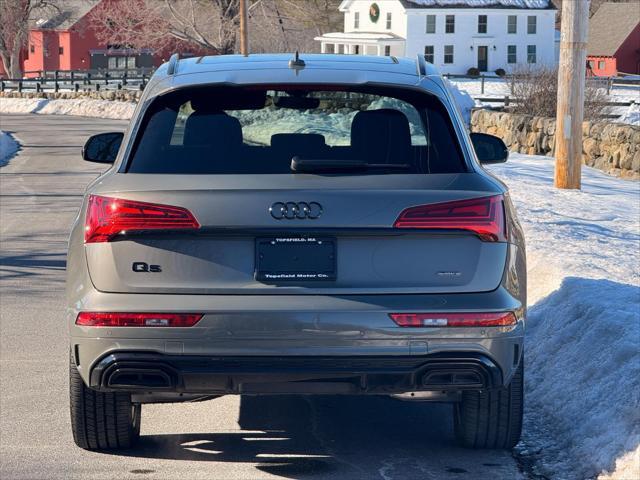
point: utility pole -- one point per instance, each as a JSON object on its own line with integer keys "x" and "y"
{"x": 571, "y": 79}
{"x": 244, "y": 28}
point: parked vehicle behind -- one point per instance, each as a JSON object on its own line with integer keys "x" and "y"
{"x": 279, "y": 225}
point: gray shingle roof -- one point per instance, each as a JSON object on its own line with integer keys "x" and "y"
{"x": 64, "y": 16}
{"x": 610, "y": 26}
{"x": 523, "y": 4}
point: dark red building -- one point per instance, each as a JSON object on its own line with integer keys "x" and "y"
{"x": 66, "y": 41}
{"x": 614, "y": 40}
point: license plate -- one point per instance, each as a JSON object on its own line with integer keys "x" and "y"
{"x": 281, "y": 259}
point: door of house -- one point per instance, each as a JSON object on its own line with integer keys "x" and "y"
{"x": 483, "y": 58}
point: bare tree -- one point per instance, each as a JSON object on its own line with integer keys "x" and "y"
{"x": 536, "y": 89}
{"x": 209, "y": 25}
{"x": 212, "y": 25}
{"x": 14, "y": 30}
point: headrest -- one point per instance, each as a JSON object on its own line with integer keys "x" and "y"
{"x": 382, "y": 136}
{"x": 298, "y": 141}
{"x": 212, "y": 129}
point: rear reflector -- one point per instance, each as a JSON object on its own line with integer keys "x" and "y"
{"x": 118, "y": 319}
{"x": 498, "y": 319}
{"x": 482, "y": 216}
{"x": 108, "y": 217}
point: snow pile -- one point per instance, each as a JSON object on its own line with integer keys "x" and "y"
{"x": 483, "y": 3}
{"x": 463, "y": 100}
{"x": 583, "y": 331}
{"x": 82, "y": 107}
{"x": 8, "y": 147}
{"x": 632, "y": 115}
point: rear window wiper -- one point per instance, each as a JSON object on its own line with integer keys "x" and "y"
{"x": 307, "y": 165}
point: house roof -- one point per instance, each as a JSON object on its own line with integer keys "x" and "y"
{"x": 610, "y": 27}
{"x": 519, "y": 4}
{"x": 65, "y": 14}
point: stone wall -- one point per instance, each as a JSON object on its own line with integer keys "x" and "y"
{"x": 611, "y": 147}
{"x": 117, "y": 95}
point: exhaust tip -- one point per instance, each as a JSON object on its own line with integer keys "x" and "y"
{"x": 130, "y": 378}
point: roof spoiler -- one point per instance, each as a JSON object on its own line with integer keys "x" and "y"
{"x": 172, "y": 69}
{"x": 421, "y": 65}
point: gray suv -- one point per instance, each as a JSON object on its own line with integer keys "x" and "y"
{"x": 277, "y": 224}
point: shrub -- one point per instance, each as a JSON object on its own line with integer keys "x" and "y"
{"x": 536, "y": 91}
{"x": 500, "y": 72}
{"x": 473, "y": 72}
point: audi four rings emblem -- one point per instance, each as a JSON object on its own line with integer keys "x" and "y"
{"x": 293, "y": 210}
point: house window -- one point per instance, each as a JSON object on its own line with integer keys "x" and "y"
{"x": 601, "y": 65}
{"x": 482, "y": 24}
{"x": 387, "y": 50}
{"x": 450, "y": 24}
{"x": 340, "y": 49}
{"x": 429, "y": 54}
{"x": 60, "y": 50}
{"x": 32, "y": 49}
{"x": 531, "y": 54}
{"x": 330, "y": 48}
{"x": 448, "y": 54}
{"x": 512, "y": 56}
{"x": 388, "y": 20}
{"x": 431, "y": 24}
{"x": 512, "y": 24}
{"x": 532, "y": 23}
{"x": 356, "y": 20}
{"x": 356, "y": 49}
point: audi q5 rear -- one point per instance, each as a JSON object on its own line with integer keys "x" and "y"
{"x": 313, "y": 225}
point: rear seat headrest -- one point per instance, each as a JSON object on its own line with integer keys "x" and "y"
{"x": 214, "y": 129}
{"x": 381, "y": 135}
{"x": 304, "y": 141}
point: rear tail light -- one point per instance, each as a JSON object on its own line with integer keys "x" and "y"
{"x": 118, "y": 319}
{"x": 498, "y": 319}
{"x": 108, "y": 217}
{"x": 482, "y": 216}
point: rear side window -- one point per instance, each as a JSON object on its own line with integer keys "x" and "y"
{"x": 261, "y": 130}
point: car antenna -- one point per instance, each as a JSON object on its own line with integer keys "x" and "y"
{"x": 297, "y": 62}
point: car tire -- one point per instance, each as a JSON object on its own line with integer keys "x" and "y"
{"x": 491, "y": 418}
{"x": 101, "y": 420}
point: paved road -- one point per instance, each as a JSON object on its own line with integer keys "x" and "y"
{"x": 226, "y": 438}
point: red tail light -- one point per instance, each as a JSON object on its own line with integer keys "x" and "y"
{"x": 498, "y": 319}
{"x": 482, "y": 216}
{"x": 108, "y": 217}
{"x": 104, "y": 319}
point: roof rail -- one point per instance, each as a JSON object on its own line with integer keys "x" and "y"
{"x": 421, "y": 65}
{"x": 172, "y": 69}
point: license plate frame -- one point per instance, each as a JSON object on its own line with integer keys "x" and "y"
{"x": 295, "y": 259}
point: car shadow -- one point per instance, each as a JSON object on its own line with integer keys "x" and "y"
{"x": 304, "y": 436}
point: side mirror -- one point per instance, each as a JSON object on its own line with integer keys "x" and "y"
{"x": 489, "y": 149}
{"x": 102, "y": 148}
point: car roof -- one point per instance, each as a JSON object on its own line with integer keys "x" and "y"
{"x": 276, "y": 68}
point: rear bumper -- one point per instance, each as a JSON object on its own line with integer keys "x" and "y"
{"x": 149, "y": 372}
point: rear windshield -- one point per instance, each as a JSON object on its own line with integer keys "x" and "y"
{"x": 266, "y": 130}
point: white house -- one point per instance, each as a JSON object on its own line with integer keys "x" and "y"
{"x": 454, "y": 35}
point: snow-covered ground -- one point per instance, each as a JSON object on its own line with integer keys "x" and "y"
{"x": 582, "y": 413}
{"x": 8, "y": 147}
{"x": 81, "y": 106}
{"x": 498, "y": 88}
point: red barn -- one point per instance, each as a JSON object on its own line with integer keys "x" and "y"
{"x": 614, "y": 40}
{"x": 66, "y": 41}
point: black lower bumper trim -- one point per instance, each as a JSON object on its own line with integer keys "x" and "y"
{"x": 149, "y": 372}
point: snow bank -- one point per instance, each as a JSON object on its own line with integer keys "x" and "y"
{"x": 82, "y": 107}
{"x": 632, "y": 115}
{"x": 8, "y": 147}
{"x": 583, "y": 361}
